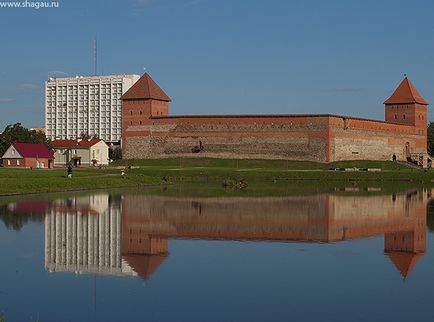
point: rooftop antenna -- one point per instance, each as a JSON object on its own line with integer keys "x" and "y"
{"x": 95, "y": 57}
{"x": 405, "y": 75}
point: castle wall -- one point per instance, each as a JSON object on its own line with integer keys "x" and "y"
{"x": 357, "y": 139}
{"x": 267, "y": 137}
{"x": 322, "y": 138}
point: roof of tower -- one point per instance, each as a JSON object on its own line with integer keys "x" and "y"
{"x": 144, "y": 265}
{"x": 405, "y": 93}
{"x": 404, "y": 261}
{"x": 146, "y": 88}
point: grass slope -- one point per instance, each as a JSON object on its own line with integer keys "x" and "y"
{"x": 261, "y": 175}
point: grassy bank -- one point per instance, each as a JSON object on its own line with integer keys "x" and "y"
{"x": 274, "y": 170}
{"x": 15, "y": 181}
{"x": 249, "y": 164}
{"x": 259, "y": 175}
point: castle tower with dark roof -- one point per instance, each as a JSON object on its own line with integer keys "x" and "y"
{"x": 406, "y": 106}
{"x": 145, "y": 99}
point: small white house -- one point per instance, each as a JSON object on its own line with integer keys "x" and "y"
{"x": 91, "y": 152}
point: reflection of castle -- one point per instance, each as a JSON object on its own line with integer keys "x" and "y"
{"x": 129, "y": 235}
{"x": 149, "y": 220}
{"x": 406, "y": 246}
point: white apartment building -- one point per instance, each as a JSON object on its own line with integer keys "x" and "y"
{"x": 86, "y": 105}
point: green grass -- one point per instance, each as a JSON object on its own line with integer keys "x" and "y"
{"x": 15, "y": 181}
{"x": 272, "y": 170}
{"x": 252, "y": 163}
{"x": 261, "y": 175}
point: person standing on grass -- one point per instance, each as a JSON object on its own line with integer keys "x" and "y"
{"x": 69, "y": 171}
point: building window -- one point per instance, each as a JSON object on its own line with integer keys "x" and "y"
{"x": 18, "y": 162}
{"x": 131, "y": 112}
{"x": 140, "y": 122}
{"x": 140, "y": 112}
{"x": 131, "y": 122}
{"x": 396, "y": 116}
{"x": 9, "y": 162}
{"x": 403, "y": 116}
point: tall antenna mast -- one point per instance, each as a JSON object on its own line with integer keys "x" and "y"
{"x": 95, "y": 57}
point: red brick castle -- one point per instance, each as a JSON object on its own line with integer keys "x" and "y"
{"x": 148, "y": 131}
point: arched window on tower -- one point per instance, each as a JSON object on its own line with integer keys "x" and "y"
{"x": 403, "y": 116}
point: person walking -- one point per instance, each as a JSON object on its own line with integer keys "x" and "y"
{"x": 69, "y": 171}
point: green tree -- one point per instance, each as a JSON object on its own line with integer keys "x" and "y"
{"x": 16, "y": 221}
{"x": 17, "y": 133}
{"x": 431, "y": 138}
{"x": 115, "y": 153}
{"x": 85, "y": 136}
{"x": 430, "y": 216}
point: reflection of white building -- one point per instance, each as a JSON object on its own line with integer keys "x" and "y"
{"x": 83, "y": 235}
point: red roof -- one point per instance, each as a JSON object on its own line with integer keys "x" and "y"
{"x": 144, "y": 265}
{"x": 146, "y": 88}
{"x": 404, "y": 261}
{"x": 33, "y": 150}
{"x": 406, "y": 94}
{"x": 76, "y": 144}
{"x": 31, "y": 206}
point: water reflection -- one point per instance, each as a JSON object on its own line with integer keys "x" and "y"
{"x": 128, "y": 234}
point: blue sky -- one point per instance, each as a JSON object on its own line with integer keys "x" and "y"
{"x": 225, "y": 56}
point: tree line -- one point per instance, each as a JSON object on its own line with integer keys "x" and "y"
{"x": 17, "y": 133}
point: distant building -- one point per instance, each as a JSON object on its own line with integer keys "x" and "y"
{"x": 92, "y": 106}
{"x": 90, "y": 152}
{"x": 28, "y": 155}
{"x": 38, "y": 129}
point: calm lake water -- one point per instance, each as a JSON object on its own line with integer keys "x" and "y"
{"x": 139, "y": 256}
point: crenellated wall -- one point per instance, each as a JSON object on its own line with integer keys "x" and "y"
{"x": 297, "y": 138}
{"x": 358, "y": 139}
{"x": 322, "y": 138}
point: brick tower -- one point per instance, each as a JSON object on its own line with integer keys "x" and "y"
{"x": 406, "y": 106}
{"x": 142, "y": 101}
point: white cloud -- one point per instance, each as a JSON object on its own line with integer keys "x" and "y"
{"x": 346, "y": 89}
{"x": 191, "y": 3}
{"x": 28, "y": 86}
{"x": 57, "y": 72}
{"x": 6, "y": 100}
{"x": 142, "y": 3}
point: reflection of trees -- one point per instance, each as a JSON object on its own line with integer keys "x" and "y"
{"x": 430, "y": 215}
{"x": 16, "y": 221}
